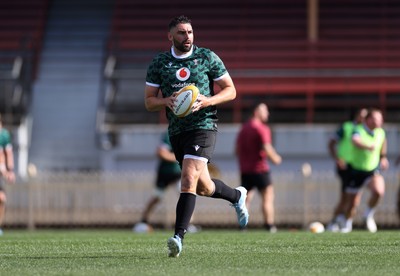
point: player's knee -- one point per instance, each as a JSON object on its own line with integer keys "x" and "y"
{"x": 188, "y": 179}
{"x": 380, "y": 192}
{"x": 188, "y": 184}
{"x": 378, "y": 186}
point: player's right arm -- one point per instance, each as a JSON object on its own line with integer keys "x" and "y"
{"x": 155, "y": 103}
{"x": 333, "y": 150}
{"x": 8, "y": 174}
{"x": 332, "y": 144}
{"x": 357, "y": 141}
{"x": 10, "y": 164}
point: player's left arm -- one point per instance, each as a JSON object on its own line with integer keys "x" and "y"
{"x": 272, "y": 154}
{"x": 227, "y": 93}
{"x": 384, "y": 162}
{"x": 10, "y": 164}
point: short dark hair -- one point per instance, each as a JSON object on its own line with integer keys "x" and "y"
{"x": 181, "y": 19}
{"x": 372, "y": 110}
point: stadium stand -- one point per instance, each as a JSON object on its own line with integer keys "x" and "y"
{"x": 22, "y": 25}
{"x": 265, "y": 45}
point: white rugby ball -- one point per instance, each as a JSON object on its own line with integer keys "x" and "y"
{"x": 185, "y": 100}
{"x": 316, "y": 227}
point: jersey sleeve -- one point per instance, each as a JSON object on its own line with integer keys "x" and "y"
{"x": 165, "y": 142}
{"x": 265, "y": 133}
{"x": 5, "y": 139}
{"x": 217, "y": 67}
{"x": 339, "y": 134}
{"x": 356, "y": 131}
{"x": 153, "y": 76}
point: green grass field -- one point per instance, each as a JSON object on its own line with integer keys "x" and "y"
{"x": 210, "y": 252}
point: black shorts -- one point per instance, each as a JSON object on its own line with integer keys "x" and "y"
{"x": 166, "y": 179}
{"x": 358, "y": 178}
{"x": 256, "y": 180}
{"x": 198, "y": 143}
{"x": 344, "y": 177}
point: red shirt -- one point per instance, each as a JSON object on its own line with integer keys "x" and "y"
{"x": 251, "y": 138}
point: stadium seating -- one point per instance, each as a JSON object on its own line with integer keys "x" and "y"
{"x": 22, "y": 25}
{"x": 265, "y": 43}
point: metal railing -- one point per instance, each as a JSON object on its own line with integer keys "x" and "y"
{"x": 115, "y": 199}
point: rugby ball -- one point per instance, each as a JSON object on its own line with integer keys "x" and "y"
{"x": 184, "y": 100}
{"x": 316, "y": 227}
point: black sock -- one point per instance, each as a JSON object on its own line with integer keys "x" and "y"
{"x": 225, "y": 192}
{"x": 184, "y": 212}
{"x": 268, "y": 226}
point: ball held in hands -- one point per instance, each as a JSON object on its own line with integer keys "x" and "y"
{"x": 184, "y": 100}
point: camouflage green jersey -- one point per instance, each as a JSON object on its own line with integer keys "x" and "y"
{"x": 199, "y": 67}
{"x": 367, "y": 160}
{"x": 5, "y": 138}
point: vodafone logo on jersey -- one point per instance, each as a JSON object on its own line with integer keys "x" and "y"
{"x": 183, "y": 74}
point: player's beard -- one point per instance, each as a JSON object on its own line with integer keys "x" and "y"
{"x": 182, "y": 47}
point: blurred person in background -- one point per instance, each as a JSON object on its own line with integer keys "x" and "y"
{"x": 368, "y": 159}
{"x": 254, "y": 148}
{"x": 192, "y": 137}
{"x": 340, "y": 147}
{"x": 6, "y": 168}
{"x": 168, "y": 173}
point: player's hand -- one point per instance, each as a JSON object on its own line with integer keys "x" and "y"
{"x": 341, "y": 164}
{"x": 170, "y": 101}
{"x": 384, "y": 163}
{"x": 201, "y": 102}
{"x": 371, "y": 147}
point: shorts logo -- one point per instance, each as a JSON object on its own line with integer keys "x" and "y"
{"x": 196, "y": 147}
{"x": 183, "y": 74}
